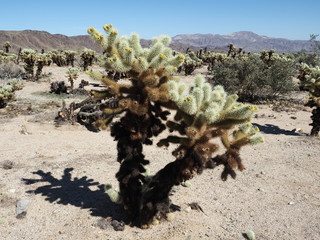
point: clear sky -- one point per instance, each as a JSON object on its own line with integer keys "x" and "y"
{"x": 291, "y": 19}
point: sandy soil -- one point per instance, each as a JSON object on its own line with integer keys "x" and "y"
{"x": 62, "y": 171}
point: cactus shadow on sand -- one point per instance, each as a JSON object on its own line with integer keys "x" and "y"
{"x": 273, "y": 129}
{"x": 80, "y": 192}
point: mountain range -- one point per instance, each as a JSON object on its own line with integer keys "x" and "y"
{"x": 249, "y": 41}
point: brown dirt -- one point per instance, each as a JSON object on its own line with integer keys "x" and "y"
{"x": 277, "y": 196}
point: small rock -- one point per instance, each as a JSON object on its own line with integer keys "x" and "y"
{"x": 188, "y": 209}
{"x": 103, "y": 223}
{"x": 117, "y": 226}
{"x": 12, "y": 190}
{"x": 21, "y": 215}
{"x": 7, "y": 165}
{"x": 291, "y": 203}
{"x": 22, "y": 206}
{"x": 293, "y": 117}
{"x": 262, "y": 173}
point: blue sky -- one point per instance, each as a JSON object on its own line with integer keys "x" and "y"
{"x": 291, "y": 19}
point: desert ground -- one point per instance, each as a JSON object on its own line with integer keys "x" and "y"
{"x": 61, "y": 171}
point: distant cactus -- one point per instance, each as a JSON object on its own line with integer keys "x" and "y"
{"x": 72, "y": 74}
{"x": 28, "y": 56}
{"x": 7, "y": 46}
{"x": 58, "y": 57}
{"x": 41, "y": 60}
{"x": 87, "y": 56}
{"x": 70, "y": 57}
{"x": 7, "y": 57}
{"x": 310, "y": 79}
{"x": 191, "y": 62}
{"x": 7, "y": 89}
{"x": 202, "y": 112}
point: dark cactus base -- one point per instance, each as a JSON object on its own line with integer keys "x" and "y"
{"x": 315, "y": 122}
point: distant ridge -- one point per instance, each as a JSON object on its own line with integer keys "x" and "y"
{"x": 44, "y": 40}
{"x": 249, "y": 41}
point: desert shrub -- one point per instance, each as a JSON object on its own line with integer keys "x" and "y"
{"x": 312, "y": 59}
{"x": 253, "y": 78}
{"x": 10, "y": 70}
{"x": 202, "y": 113}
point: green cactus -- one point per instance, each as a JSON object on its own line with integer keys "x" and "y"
{"x": 87, "y": 56}
{"x": 58, "y": 57}
{"x": 203, "y": 112}
{"x": 72, "y": 74}
{"x": 7, "y": 89}
{"x": 191, "y": 62}
{"x": 7, "y": 57}
{"x": 70, "y": 57}
{"x": 28, "y": 56}
{"x": 310, "y": 79}
{"x": 41, "y": 60}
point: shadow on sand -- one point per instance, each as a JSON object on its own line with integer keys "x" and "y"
{"x": 76, "y": 192}
{"x": 273, "y": 129}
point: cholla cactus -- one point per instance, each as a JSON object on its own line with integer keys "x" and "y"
{"x": 72, "y": 74}
{"x": 125, "y": 54}
{"x": 70, "y": 57}
{"x": 7, "y": 89}
{"x": 202, "y": 113}
{"x": 7, "y": 57}
{"x": 310, "y": 79}
{"x": 7, "y": 46}
{"x": 87, "y": 56}
{"x": 205, "y": 113}
{"x": 58, "y": 57}
{"x": 28, "y": 56}
{"x": 41, "y": 60}
{"x": 191, "y": 62}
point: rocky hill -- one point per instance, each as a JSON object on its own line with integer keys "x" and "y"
{"x": 249, "y": 41}
{"x": 44, "y": 40}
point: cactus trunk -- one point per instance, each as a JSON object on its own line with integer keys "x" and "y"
{"x": 315, "y": 122}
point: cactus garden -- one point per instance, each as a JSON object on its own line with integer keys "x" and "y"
{"x": 148, "y": 142}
